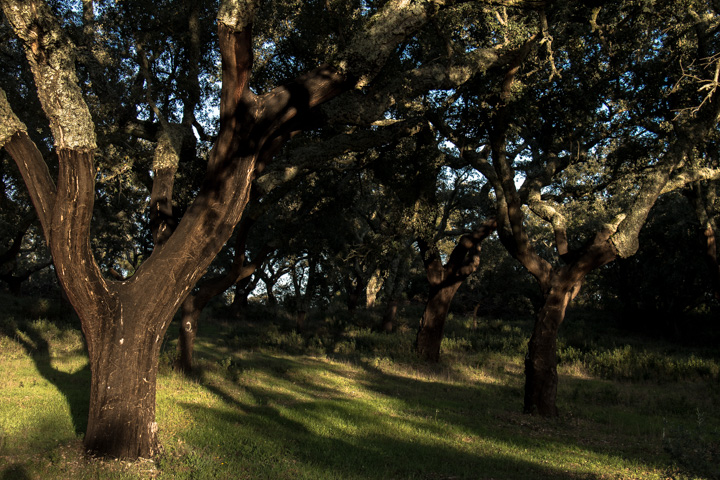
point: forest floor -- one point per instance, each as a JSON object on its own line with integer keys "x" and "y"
{"x": 339, "y": 401}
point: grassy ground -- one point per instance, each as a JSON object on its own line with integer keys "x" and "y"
{"x": 341, "y": 402}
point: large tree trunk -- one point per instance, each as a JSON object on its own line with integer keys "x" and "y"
{"x": 561, "y": 286}
{"x": 124, "y": 362}
{"x": 124, "y": 321}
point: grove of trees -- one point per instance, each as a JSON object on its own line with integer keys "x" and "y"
{"x": 158, "y": 155}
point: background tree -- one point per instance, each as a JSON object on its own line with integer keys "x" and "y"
{"x": 558, "y": 158}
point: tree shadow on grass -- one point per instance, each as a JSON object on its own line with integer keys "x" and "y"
{"x": 15, "y": 472}
{"x": 75, "y": 387}
{"x": 306, "y": 429}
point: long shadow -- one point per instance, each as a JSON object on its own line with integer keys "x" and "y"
{"x": 473, "y": 407}
{"x": 372, "y": 454}
{"x": 75, "y": 387}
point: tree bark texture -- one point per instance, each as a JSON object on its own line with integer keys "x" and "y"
{"x": 444, "y": 282}
{"x": 124, "y": 362}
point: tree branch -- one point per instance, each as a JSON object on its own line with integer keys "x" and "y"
{"x": 51, "y": 55}
{"x": 30, "y": 162}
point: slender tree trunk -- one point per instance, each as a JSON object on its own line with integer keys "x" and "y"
{"x": 541, "y": 377}
{"x": 432, "y": 324}
{"x": 186, "y": 336}
{"x": 355, "y": 293}
{"x": 271, "y": 298}
{"x": 475, "y": 315}
{"x": 388, "y": 320}
{"x": 444, "y": 282}
{"x": 194, "y": 304}
{"x": 242, "y": 290}
{"x": 394, "y": 287}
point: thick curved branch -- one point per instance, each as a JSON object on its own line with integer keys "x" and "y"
{"x": 684, "y": 178}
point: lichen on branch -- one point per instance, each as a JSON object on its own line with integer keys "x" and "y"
{"x": 237, "y": 14}
{"x": 51, "y": 55}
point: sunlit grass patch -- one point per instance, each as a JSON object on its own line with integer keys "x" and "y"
{"x": 332, "y": 414}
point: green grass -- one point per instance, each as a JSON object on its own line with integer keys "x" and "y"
{"x": 342, "y": 402}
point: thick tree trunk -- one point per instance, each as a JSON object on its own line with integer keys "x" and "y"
{"x": 123, "y": 362}
{"x": 562, "y": 285}
{"x": 125, "y": 321}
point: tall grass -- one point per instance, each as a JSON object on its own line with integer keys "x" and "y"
{"x": 342, "y": 401}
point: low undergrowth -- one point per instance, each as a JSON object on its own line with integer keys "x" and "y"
{"x": 339, "y": 400}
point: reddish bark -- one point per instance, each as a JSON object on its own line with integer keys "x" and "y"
{"x": 563, "y": 284}
{"x": 124, "y": 321}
